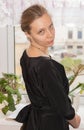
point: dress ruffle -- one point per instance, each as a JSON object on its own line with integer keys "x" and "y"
{"x": 23, "y": 115}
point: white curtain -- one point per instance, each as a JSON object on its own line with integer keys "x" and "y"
{"x": 68, "y": 11}
{"x": 10, "y": 11}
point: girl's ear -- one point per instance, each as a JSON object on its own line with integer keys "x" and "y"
{"x": 28, "y": 36}
{"x": 26, "y": 33}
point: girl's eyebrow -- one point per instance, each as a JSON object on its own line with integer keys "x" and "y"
{"x": 41, "y": 29}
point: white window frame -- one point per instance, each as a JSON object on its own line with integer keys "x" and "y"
{"x": 7, "y": 49}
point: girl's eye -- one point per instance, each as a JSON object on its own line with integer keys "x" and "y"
{"x": 51, "y": 26}
{"x": 41, "y": 32}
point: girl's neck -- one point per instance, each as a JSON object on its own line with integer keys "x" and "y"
{"x": 36, "y": 51}
{"x": 44, "y": 51}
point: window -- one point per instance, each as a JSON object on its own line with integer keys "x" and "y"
{"x": 79, "y": 47}
{"x": 79, "y": 35}
{"x": 20, "y": 45}
{"x": 70, "y": 34}
{"x": 70, "y": 47}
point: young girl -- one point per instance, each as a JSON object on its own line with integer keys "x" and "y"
{"x": 45, "y": 79}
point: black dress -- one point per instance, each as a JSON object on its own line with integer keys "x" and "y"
{"x": 47, "y": 88}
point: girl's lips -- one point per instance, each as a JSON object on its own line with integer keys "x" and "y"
{"x": 51, "y": 41}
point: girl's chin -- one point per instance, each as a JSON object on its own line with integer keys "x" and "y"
{"x": 50, "y": 44}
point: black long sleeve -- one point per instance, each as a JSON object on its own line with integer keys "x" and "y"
{"x": 55, "y": 90}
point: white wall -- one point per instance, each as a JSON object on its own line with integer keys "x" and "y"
{"x": 3, "y": 50}
{"x": 6, "y": 49}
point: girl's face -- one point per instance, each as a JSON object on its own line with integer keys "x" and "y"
{"x": 42, "y": 31}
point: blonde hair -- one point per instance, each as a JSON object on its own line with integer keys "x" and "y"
{"x": 30, "y": 14}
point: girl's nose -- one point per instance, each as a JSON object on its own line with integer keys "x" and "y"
{"x": 49, "y": 33}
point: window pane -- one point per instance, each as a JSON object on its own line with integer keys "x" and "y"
{"x": 70, "y": 34}
{"x": 21, "y": 44}
{"x": 79, "y": 34}
{"x": 70, "y": 47}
